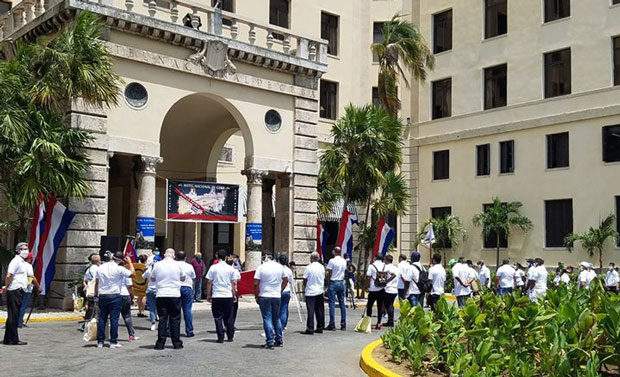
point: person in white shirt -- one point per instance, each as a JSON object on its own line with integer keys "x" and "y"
{"x": 314, "y": 280}
{"x": 16, "y": 283}
{"x": 375, "y": 289}
{"x": 127, "y": 301}
{"x": 519, "y": 276}
{"x": 88, "y": 286}
{"x": 484, "y": 275}
{"x": 151, "y": 293}
{"x": 233, "y": 261}
{"x": 462, "y": 281}
{"x": 586, "y": 275}
{"x": 168, "y": 275}
{"x": 403, "y": 268}
{"x": 437, "y": 277}
{"x": 504, "y": 278}
{"x": 286, "y": 293}
{"x": 612, "y": 278}
{"x": 269, "y": 282}
{"x": 391, "y": 291}
{"x": 187, "y": 292}
{"x": 109, "y": 279}
{"x": 32, "y": 284}
{"x": 222, "y": 293}
{"x": 410, "y": 279}
{"x": 336, "y": 268}
{"x": 537, "y": 280}
{"x": 560, "y": 277}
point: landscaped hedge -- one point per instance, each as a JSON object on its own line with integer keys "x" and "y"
{"x": 572, "y": 333}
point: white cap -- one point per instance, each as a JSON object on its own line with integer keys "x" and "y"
{"x": 585, "y": 264}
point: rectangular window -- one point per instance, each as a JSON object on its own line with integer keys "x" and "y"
{"x": 615, "y": 2}
{"x": 439, "y": 213}
{"x": 377, "y": 37}
{"x": 490, "y": 241}
{"x": 279, "y": 15}
{"x": 442, "y": 98}
{"x": 441, "y": 165}
{"x": 616, "y": 44}
{"x": 495, "y": 86}
{"x": 611, "y": 143}
{"x": 557, "y": 150}
{"x": 483, "y": 159}
{"x": 495, "y": 18}
{"x": 226, "y": 155}
{"x": 329, "y": 31}
{"x": 227, "y": 6}
{"x": 442, "y": 31}
{"x": 329, "y": 99}
{"x": 375, "y": 96}
{"x": 558, "y": 221}
{"x": 556, "y": 9}
{"x": 557, "y": 73}
{"x": 618, "y": 219}
{"x": 507, "y": 156}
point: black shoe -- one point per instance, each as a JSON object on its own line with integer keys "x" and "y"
{"x": 220, "y": 340}
{"x": 19, "y": 343}
{"x": 190, "y": 335}
{"x": 318, "y": 331}
{"x": 158, "y": 347}
{"x": 267, "y": 346}
{"x": 389, "y": 324}
{"x": 229, "y": 340}
{"x": 343, "y": 328}
{"x": 331, "y": 328}
{"x": 307, "y": 332}
{"x": 141, "y": 316}
{"x": 278, "y": 344}
{"x": 178, "y": 347}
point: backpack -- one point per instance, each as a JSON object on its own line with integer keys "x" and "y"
{"x": 382, "y": 277}
{"x": 423, "y": 283}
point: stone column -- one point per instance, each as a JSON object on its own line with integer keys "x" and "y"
{"x": 146, "y": 203}
{"x": 267, "y": 218}
{"x": 283, "y": 232}
{"x": 254, "y": 215}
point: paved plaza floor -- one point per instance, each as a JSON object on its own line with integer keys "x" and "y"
{"x": 57, "y": 349}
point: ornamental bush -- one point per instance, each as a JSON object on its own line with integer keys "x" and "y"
{"x": 571, "y": 333}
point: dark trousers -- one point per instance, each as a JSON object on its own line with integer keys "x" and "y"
{"x": 612, "y": 289}
{"x": 402, "y": 294}
{"x": 223, "y": 310}
{"x": 14, "y": 301}
{"x": 109, "y": 307}
{"x": 374, "y": 296}
{"x": 460, "y": 300}
{"x": 169, "y": 312}
{"x": 432, "y": 301}
{"x": 388, "y": 304}
{"x": 316, "y": 308}
{"x": 22, "y": 309}
{"x": 235, "y": 310}
{"x": 126, "y": 314}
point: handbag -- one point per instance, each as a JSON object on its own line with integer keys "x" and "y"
{"x": 91, "y": 331}
{"x": 364, "y": 325}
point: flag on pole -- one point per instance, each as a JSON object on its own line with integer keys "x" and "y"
{"x": 38, "y": 225}
{"x": 322, "y": 238}
{"x": 345, "y": 235}
{"x": 385, "y": 236}
{"x": 50, "y": 232}
{"x": 429, "y": 238}
{"x": 130, "y": 250}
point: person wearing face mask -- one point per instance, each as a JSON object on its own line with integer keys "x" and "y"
{"x": 156, "y": 257}
{"x": 200, "y": 270}
{"x": 537, "y": 280}
{"x": 586, "y": 275}
{"x": 32, "y": 283}
{"x": 16, "y": 283}
{"x": 612, "y": 278}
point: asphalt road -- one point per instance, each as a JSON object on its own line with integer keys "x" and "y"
{"x": 57, "y": 349}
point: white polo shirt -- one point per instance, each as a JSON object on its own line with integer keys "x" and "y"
{"x": 221, "y": 276}
{"x": 586, "y": 277}
{"x": 519, "y": 275}
{"x": 412, "y": 275}
{"x": 18, "y": 268}
{"x": 315, "y": 279}
{"x": 168, "y": 276}
{"x": 437, "y": 276}
{"x": 270, "y": 275}
{"x": 338, "y": 266}
{"x": 111, "y": 277}
{"x": 392, "y": 286}
{"x": 90, "y": 273}
{"x": 403, "y": 267}
{"x": 372, "y": 274}
{"x": 124, "y": 289}
{"x": 485, "y": 276}
{"x": 612, "y": 278}
{"x": 539, "y": 276}
{"x": 289, "y": 274}
{"x": 189, "y": 272}
{"x": 506, "y": 275}
{"x": 464, "y": 273}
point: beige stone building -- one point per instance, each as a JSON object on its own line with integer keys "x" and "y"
{"x": 517, "y": 107}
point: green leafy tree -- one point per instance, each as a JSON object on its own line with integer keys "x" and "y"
{"x": 39, "y": 153}
{"x": 501, "y": 218}
{"x": 594, "y": 239}
{"x": 449, "y": 233}
{"x": 402, "y": 51}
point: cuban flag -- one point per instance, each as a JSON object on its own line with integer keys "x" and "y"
{"x": 345, "y": 235}
{"x": 385, "y": 236}
{"x": 130, "y": 250}
{"x": 321, "y": 239}
{"x": 50, "y": 223}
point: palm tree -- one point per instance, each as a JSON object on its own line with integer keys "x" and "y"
{"x": 402, "y": 50}
{"x": 39, "y": 154}
{"x": 500, "y": 218}
{"x": 594, "y": 238}
{"x": 449, "y": 233}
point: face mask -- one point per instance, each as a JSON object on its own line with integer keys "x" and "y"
{"x": 156, "y": 253}
{"x": 23, "y": 254}
{"x": 199, "y": 257}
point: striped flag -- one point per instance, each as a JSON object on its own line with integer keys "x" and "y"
{"x": 321, "y": 239}
{"x": 385, "y": 236}
{"x": 49, "y": 226}
{"x": 345, "y": 235}
{"x": 130, "y": 250}
{"x": 429, "y": 238}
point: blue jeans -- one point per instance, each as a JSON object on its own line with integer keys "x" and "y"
{"x": 198, "y": 289}
{"x": 270, "y": 310}
{"x": 504, "y": 291}
{"x": 109, "y": 306}
{"x": 151, "y": 302}
{"x": 416, "y": 299}
{"x": 23, "y": 308}
{"x": 286, "y": 298}
{"x": 187, "y": 298}
{"x": 336, "y": 290}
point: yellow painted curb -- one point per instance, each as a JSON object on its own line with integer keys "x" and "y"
{"x": 51, "y": 319}
{"x": 370, "y": 366}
